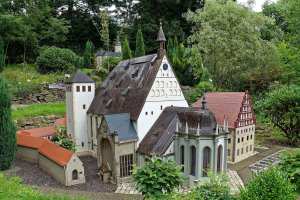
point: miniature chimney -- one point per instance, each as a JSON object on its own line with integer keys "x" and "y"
{"x": 162, "y": 40}
{"x": 203, "y": 107}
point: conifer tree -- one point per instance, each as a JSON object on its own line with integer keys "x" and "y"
{"x": 105, "y": 29}
{"x": 2, "y": 55}
{"x": 7, "y": 129}
{"x": 126, "y": 51}
{"x": 139, "y": 44}
{"x": 88, "y": 54}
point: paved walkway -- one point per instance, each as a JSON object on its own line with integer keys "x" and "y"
{"x": 266, "y": 162}
{"x": 235, "y": 183}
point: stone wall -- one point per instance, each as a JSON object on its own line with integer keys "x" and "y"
{"x": 36, "y": 122}
{"x": 44, "y": 95}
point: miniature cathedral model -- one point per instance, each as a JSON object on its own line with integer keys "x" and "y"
{"x": 140, "y": 111}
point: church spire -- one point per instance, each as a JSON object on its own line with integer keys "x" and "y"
{"x": 162, "y": 40}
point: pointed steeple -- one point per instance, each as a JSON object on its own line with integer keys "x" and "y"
{"x": 162, "y": 40}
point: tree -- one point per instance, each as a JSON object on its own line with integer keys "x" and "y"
{"x": 7, "y": 128}
{"x": 157, "y": 177}
{"x": 232, "y": 48}
{"x": 269, "y": 185}
{"x": 126, "y": 51}
{"x": 105, "y": 29}
{"x": 88, "y": 54}
{"x": 2, "y": 55}
{"x": 139, "y": 44}
{"x": 186, "y": 62}
{"x": 282, "y": 107}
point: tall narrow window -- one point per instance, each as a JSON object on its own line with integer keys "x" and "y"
{"x": 206, "y": 160}
{"x": 77, "y": 88}
{"x": 182, "y": 157}
{"x": 89, "y": 88}
{"x": 193, "y": 161}
{"x": 83, "y": 88}
{"x": 219, "y": 162}
{"x": 126, "y": 165}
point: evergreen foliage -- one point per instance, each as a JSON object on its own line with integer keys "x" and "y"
{"x": 2, "y": 55}
{"x": 88, "y": 56}
{"x": 158, "y": 177}
{"x": 272, "y": 184}
{"x": 282, "y": 107}
{"x": 139, "y": 44}
{"x": 126, "y": 51}
{"x": 105, "y": 29}
{"x": 54, "y": 59}
{"x": 7, "y": 129}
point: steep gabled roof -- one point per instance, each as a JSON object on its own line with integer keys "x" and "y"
{"x": 126, "y": 88}
{"x": 55, "y": 153}
{"x": 224, "y": 104}
{"x": 162, "y": 133}
{"x": 80, "y": 77}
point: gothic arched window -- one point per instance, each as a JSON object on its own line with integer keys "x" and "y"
{"x": 193, "y": 161}
{"x": 206, "y": 160}
{"x": 220, "y": 158}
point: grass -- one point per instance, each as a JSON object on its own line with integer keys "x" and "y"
{"x": 13, "y": 189}
{"x": 35, "y": 110}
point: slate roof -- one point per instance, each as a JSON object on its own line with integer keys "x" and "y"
{"x": 162, "y": 133}
{"x": 224, "y": 104}
{"x": 121, "y": 125}
{"x": 80, "y": 77}
{"x": 126, "y": 88}
{"x": 108, "y": 53}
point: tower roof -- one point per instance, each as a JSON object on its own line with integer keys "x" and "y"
{"x": 161, "y": 35}
{"x": 80, "y": 77}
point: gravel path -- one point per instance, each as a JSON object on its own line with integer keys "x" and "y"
{"x": 33, "y": 175}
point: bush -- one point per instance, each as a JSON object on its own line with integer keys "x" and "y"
{"x": 290, "y": 164}
{"x": 272, "y": 184}
{"x": 54, "y": 59}
{"x": 216, "y": 188}
{"x": 157, "y": 177}
{"x": 63, "y": 140}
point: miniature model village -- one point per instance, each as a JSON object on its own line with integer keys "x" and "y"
{"x": 139, "y": 111}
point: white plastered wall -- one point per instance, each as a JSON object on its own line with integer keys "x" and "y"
{"x": 74, "y": 164}
{"x": 77, "y": 106}
{"x": 164, "y": 92}
{"x": 244, "y": 142}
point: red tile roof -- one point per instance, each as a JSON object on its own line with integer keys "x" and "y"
{"x": 224, "y": 104}
{"x": 61, "y": 122}
{"x": 55, "y": 153}
{"x": 40, "y": 132}
{"x": 29, "y": 141}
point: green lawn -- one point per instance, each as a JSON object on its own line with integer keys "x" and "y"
{"x": 35, "y": 110}
{"x": 13, "y": 189}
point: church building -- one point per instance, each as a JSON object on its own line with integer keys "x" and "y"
{"x": 139, "y": 97}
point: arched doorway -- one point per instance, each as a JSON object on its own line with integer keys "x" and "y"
{"x": 74, "y": 174}
{"x": 193, "y": 161}
{"x": 206, "y": 160}
{"x": 219, "y": 158}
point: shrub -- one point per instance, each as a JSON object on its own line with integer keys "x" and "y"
{"x": 216, "y": 188}
{"x": 157, "y": 177}
{"x": 2, "y": 55}
{"x": 290, "y": 164}
{"x": 63, "y": 140}
{"x": 54, "y": 59}
{"x": 7, "y": 129}
{"x": 88, "y": 54}
{"x": 272, "y": 184}
{"x": 108, "y": 65}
